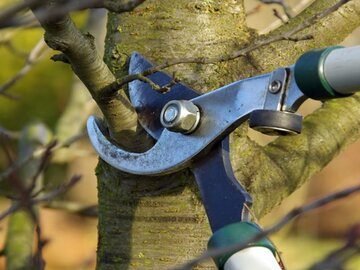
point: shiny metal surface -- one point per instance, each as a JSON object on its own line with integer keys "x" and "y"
{"x": 180, "y": 116}
{"x": 174, "y": 151}
{"x": 148, "y": 102}
{"x": 222, "y": 111}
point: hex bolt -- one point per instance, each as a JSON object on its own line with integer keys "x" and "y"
{"x": 275, "y": 86}
{"x": 181, "y": 116}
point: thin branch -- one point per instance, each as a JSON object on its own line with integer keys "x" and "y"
{"x": 337, "y": 258}
{"x": 276, "y": 227}
{"x": 289, "y": 36}
{"x": 46, "y": 198}
{"x": 61, "y": 9}
{"x": 8, "y": 13}
{"x": 34, "y": 56}
{"x": 44, "y": 160}
{"x": 36, "y": 154}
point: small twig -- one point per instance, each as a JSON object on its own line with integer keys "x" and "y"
{"x": 38, "y": 153}
{"x": 161, "y": 89}
{"x": 337, "y": 258}
{"x": 8, "y": 18}
{"x": 289, "y": 36}
{"x": 276, "y": 227}
{"x": 38, "y": 259}
{"x": 34, "y": 56}
{"x": 44, "y": 160}
{"x": 45, "y": 198}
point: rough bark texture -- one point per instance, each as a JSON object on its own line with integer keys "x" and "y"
{"x": 153, "y": 223}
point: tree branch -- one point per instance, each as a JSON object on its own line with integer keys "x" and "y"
{"x": 61, "y": 34}
{"x": 289, "y": 35}
{"x": 45, "y": 198}
{"x": 61, "y": 9}
{"x": 337, "y": 259}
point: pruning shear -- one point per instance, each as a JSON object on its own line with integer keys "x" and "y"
{"x": 192, "y": 130}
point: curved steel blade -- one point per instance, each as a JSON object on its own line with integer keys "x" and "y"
{"x": 174, "y": 151}
{"x": 148, "y": 102}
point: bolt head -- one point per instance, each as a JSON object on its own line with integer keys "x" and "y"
{"x": 275, "y": 86}
{"x": 180, "y": 116}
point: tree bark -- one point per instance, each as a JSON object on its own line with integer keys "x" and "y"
{"x": 157, "y": 222}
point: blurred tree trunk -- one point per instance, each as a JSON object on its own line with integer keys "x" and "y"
{"x": 154, "y": 223}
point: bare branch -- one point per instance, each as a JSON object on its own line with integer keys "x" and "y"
{"x": 36, "y": 154}
{"x": 276, "y": 227}
{"x": 46, "y": 198}
{"x": 34, "y": 56}
{"x": 289, "y": 36}
{"x": 337, "y": 258}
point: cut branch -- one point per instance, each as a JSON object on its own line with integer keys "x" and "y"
{"x": 61, "y": 34}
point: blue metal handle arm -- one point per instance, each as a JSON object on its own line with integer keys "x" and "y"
{"x": 221, "y": 112}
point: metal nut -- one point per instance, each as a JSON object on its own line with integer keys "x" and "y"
{"x": 180, "y": 116}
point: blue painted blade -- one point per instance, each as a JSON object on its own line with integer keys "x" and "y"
{"x": 222, "y": 195}
{"x": 148, "y": 102}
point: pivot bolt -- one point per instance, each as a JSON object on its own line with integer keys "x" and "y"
{"x": 180, "y": 116}
{"x": 275, "y": 86}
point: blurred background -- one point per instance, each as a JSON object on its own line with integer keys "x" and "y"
{"x": 49, "y": 97}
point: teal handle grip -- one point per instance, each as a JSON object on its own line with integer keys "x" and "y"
{"x": 342, "y": 69}
{"x": 233, "y": 234}
{"x": 310, "y": 76}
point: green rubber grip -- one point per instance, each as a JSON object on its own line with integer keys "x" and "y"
{"x": 236, "y": 233}
{"x": 310, "y": 77}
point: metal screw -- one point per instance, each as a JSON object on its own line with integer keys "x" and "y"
{"x": 275, "y": 86}
{"x": 180, "y": 116}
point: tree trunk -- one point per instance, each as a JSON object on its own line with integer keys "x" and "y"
{"x": 158, "y": 222}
